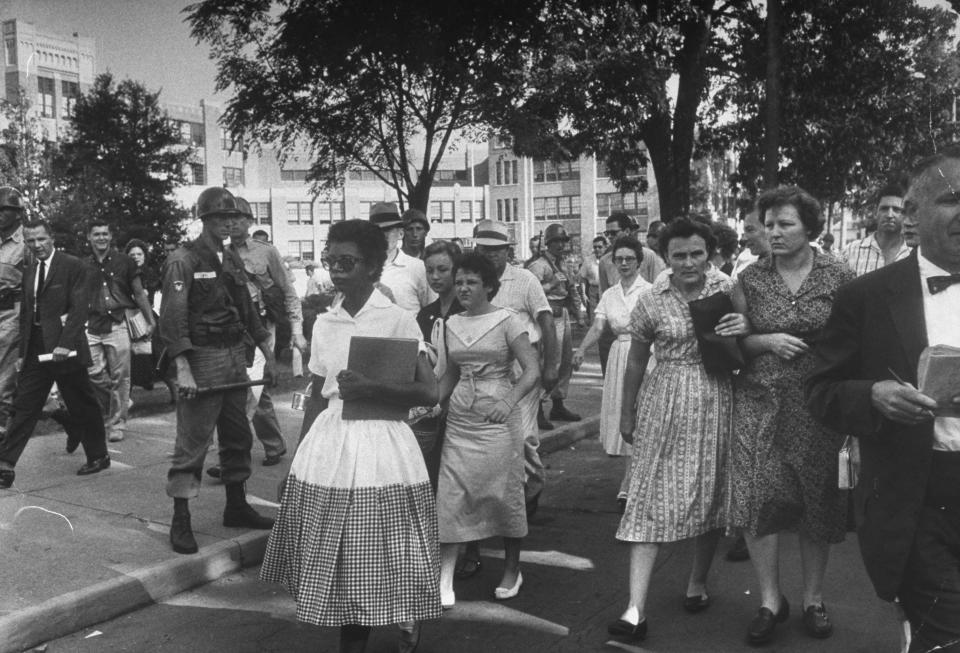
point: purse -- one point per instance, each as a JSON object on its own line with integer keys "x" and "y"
{"x": 720, "y": 354}
{"x": 849, "y": 463}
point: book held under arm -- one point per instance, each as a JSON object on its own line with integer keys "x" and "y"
{"x": 384, "y": 360}
{"x": 938, "y": 377}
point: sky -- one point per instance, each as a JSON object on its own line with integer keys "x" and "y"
{"x": 145, "y": 40}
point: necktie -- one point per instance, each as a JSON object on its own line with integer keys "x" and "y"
{"x": 939, "y": 284}
{"x": 41, "y": 276}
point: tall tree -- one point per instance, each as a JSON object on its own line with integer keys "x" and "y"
{"x": 867, "y": 86}
{"x": 25, "y": 154}
{"x": 603, "y": 86}
{"x": 121, "y": 162}
{"x": 386, "y": 87}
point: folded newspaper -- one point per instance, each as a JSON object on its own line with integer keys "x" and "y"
{"x": 938, "y": 377}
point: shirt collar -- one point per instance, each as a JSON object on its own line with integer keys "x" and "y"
{"x": 712, "y": 284}
{"x": 928, "y": 268}
{"x": 401, "y": 259}
{"x": 376, "y": 300}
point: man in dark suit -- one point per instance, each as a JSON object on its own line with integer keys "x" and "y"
{"x": 53, "y": 348}
{"x": 908, "y": 494}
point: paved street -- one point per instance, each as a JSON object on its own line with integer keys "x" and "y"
{"x": 575, "y": 582}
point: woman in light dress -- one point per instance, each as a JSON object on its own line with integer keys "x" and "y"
{"x": 355, "y": 540}
{"x": 480, "y": 491}
{"x": 678, "y": 419}
{"x": 614, "y": 309}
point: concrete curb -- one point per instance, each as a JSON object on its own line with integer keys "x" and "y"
{"x": 68, "y": 613}
{"x": 106, "y": 600}
{"x": 564, "y": 436}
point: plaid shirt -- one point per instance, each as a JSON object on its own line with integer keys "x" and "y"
{"x": 865, "y": 255}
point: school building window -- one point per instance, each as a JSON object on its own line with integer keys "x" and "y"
{"x": 329, "y": 211}
{"x": 45, "y": 91}
{"x": 299, "y": 213}
{"x": 232, "y": 177}
{"x": 553, "y": 171}
{"x": 301, "y": 249}
{"x": 293, "y": 175}
{"x": 261, "y": 212}
{"x": 632, "y": 203}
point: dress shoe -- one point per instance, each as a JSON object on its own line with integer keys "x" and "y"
{"x": 542, "y": 422}
{"x": 468, "y": 567}
{"x": 6, "y": 478}
{"x": 695, "y": 604}
{"x": 239, "y": 513}
{"x": 115, "y": 436}
{"x": 447, "y": 601}
{"x": 94, "y": 466}
{"x": 762, "y": 626}
{"x": 181, "y": 535}
{"x": 738, "y": 551}
{"x": 627, "y": 630}
{"x": 504, "y": 593}
{"x": 816, "y": 621}
{"x": 271, "y": 460}
{"x": 560, "y": 412}
{"x": 214, "y": 471}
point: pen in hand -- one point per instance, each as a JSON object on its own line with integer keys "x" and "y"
{"x": 926, "y": 411}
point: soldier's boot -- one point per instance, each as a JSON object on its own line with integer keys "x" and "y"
{"x": 181, "y": 535}
{"x": 561, "y": 412}
{"x": 239, "y": 513}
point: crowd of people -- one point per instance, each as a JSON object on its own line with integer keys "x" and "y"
{"x": 731, "y": 380}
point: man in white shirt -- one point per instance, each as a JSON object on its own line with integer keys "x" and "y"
{"x": 907, "y": 498}
{"x": 886, "y": 244}
{"x": 755, "y": 235}
{"x": 404, "y": 275}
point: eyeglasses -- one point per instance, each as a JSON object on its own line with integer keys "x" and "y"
{"x": 624, "y": 259}
{"x": 345, "y": 263}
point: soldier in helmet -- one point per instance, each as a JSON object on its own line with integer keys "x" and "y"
{"x": 11, "y": 276}
{"x": 207, "y": 322}
{"x": 562, "y": 294}
{"x": 275, "y": 300}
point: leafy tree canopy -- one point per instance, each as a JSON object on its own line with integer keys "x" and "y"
{"x": 867, "y": 87}
{"x": 120, "y": 163}
{"x": 386, "y": 87}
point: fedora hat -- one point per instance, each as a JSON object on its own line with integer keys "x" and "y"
{"x": 491, "y": 234}
{"x": 385, "y": 215}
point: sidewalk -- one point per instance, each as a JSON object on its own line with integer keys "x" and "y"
{"x": 78, "y": 550}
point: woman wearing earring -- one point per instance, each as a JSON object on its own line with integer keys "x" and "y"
{"x": 480, "y": 492}
{"x": 355, "y": 540}
{"x": 784, "y": 462}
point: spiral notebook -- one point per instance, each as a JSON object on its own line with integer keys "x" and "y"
{"x": 389, "y": 360}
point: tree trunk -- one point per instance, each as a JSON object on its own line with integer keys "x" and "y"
{"x": 418, "y": 195}
{"x": 771, "y": 137}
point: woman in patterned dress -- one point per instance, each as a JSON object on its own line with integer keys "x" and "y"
{"x": 784, "y": 463}
{"x": 355, "y": 540}
{"x": 614, "y": 308}
{"x": 480, "y": 493}
{"x": 678, "y": 420}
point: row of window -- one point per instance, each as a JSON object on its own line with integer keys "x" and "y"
{"x": 632, "y": 203}
{"x": 506, "y": 173}
{"x": 564, "y": 207}
{"x": 46, "y": 97}
{"x": 508, "y": 210}
{"x": 567, "y": 207}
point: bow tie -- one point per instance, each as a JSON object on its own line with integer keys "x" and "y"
{"x": 938, "y": 284}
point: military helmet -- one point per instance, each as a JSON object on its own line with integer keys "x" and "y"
{"x": 10, "y": 198}
{"x": 554, "y": 232}
{"x": 216, "y": 201}
{"x": 244, "y": 207}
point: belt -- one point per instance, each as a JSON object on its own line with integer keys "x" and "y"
{"x": 218, "y": 340}
{"x": 624, "y": 337}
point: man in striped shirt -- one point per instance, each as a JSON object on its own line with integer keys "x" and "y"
{"x": 885, "y": 245}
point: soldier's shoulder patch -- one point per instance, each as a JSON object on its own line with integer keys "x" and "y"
{"x": 178, "y": 286}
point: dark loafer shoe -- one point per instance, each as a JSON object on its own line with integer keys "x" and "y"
{"x": 273, "y": 460}
{"x": 762, "y": 626}
{"x": 816, "y": 621}
{"x": 695, "y": 604}
{"x": 626, "y": 630}
{"x": 6, "y": 478}
{"x": 94, "y": 466}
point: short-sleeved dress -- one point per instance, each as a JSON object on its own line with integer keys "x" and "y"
{"x": 480, "y": 491}
{"x": 678, "y": 484}
{"x": 615, "y": 307}
{"x": 784, "y": 462}
{"x": 355, "y": 540}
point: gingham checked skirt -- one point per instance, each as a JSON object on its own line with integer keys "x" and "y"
{"x": 355, "y": 540}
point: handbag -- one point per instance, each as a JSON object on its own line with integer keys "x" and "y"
{"x": 720, "y": 354}
{"x": 137, "y": 325}
{"x": 849, "y": 463}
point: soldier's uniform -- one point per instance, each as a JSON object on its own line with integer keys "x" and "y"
{"x": 208, "y": 316}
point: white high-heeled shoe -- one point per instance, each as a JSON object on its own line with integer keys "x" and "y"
{"x": 447, "y": 601}
{"x": 504, "y": 593}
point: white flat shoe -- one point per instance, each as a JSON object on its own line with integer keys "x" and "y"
{"x": 447, "y": 601}
{"x": 504, "y": 593}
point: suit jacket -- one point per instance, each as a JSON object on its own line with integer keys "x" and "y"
{"x": 62, "y": 306}
{"x": 877, "y": 322}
